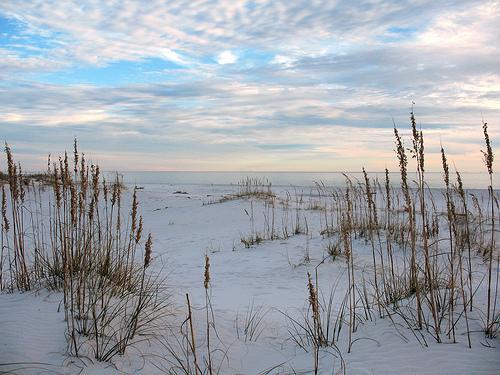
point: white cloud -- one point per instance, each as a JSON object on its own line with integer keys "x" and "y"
{"x": 170, "y": 55}
{"x": 286, "y": 61}
{"x": 226, "y": 57}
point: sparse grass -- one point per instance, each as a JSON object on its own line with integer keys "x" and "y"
{"x": 253, "y": 322}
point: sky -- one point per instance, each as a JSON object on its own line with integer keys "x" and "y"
{"x": 255, "y": 85}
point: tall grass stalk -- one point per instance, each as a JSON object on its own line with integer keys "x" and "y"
{"x": 488, "y": 158}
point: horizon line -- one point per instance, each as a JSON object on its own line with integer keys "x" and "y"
{"x": 253, "y": 171}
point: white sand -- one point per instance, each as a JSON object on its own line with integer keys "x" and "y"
{"x": 272, "y": 275}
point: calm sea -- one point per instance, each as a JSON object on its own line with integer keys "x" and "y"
{"x": 434, "y": 179}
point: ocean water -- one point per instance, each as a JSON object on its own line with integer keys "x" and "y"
{"x": 479, "y": 180}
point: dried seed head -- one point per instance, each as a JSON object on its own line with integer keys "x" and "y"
{"x": 57, "y": 186}
{"x": 445, "y": 168}
{"x": 148, "y": 250}
{"x": 118, "y": 202}
{"x": 75, "y": 157}
{"x": 133, "y": 213}
{"x": 488, "y": 154}
{"x": 81, "y": 203}
{"x": 95, "y": 182}
{"x": 4, "y": 211}
{"x": 403, "y": 164}
{"x": 115, "y": 198}
{"x": 367, "y": 186}
{"x": 207, "y": 272}
{"x": 421, "y": 152}
{"x": 418, "y": 142}
{"x": 65, "y": 171}
{"x": 460, "y": 185}
{"x": 313, "y": 300}
{"x": 83, "y": 176}
{"x": 138, "y": 235}
{"x": 388, "y": 189}
{"x": 12, "y": 171}
{"x": 105, "y": 189}
{"x": 345, "y": 228}
{"x": 48, "y": 164}
{"x": 21, "y": 182}
{"x": 414, "y": 131}
{"x": 73, "y": 204}
{"x": 114, "y": 194}
{"x": 369, "y": 196}
{"x": 61, "y": 174}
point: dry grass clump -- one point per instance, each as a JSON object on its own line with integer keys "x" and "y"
{"x": 14, "y": 223}
{"x": 248, "y": 188}
{"x": 255, "y": 187}
{"x": 422, "y": 254}
{"x": 78, "y": 242}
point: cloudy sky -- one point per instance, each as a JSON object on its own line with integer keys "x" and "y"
{"x": 247, "y": 85}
